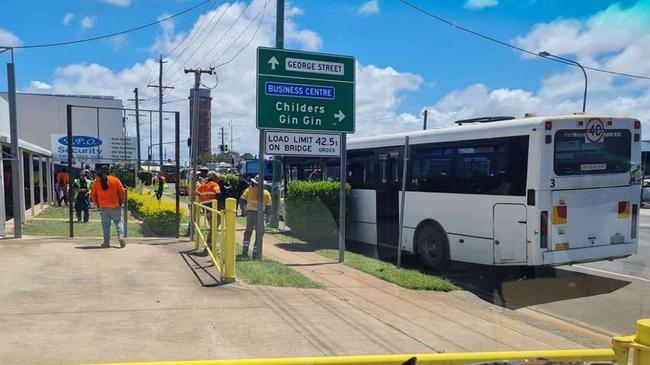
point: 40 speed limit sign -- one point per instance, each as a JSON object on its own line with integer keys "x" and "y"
{"x": 594, "y": 130}
{"x": 302, "y": 144}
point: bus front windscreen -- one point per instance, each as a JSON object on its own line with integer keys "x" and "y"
{"x": 575, "y": 155}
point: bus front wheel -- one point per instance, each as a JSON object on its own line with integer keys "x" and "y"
{"x": 432, "y": 246}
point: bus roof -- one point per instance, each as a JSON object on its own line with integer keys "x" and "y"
{"x": 513, "y": 127}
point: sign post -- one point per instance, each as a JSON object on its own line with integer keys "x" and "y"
{"x": 299, "y": 93}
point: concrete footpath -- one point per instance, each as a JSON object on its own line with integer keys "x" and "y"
{"x": 66, "y": 301}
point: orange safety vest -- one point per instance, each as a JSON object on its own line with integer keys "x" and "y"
{"x": 208, "y": 191}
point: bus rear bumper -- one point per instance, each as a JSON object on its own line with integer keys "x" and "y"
{"x": 589, "y": 254}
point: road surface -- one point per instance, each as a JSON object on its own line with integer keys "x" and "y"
{"x": 608, "y": 296}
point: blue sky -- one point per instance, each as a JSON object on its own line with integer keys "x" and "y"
{"x": 407, "y": 61}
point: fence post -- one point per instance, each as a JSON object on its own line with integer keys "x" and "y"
{"x": 213, "y": 228}
{"x": 229, "y": 241}
{"x": 196, "y": 212}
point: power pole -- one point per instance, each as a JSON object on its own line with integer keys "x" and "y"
{"x": 137, "y": 130}
{"x": 425, "y": 113}
{"x": 160, "y": 109}
{"x": 194, "y": 133}
{"x": 274, "y": 220}
{"x": 17, "y": 189}
{"x": 223, "y": 146}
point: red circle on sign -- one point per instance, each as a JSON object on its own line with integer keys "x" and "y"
{"x": 594, "y": 130}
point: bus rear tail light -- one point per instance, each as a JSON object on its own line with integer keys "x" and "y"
{"x": 543, "y": 229}
{"x": 548, "y": 125}
{"x": 637, "y": 124}
{"x": 560, "y": 214}
{"x": 635, "y": 221}
{"x": 624, "y": 210}
{"x": 548, "y": 139}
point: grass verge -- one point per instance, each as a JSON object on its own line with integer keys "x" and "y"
{"x": 271, "y": 273}
{"x": 406, "y": 278}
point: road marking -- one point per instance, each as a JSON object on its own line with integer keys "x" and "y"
{"x": 612, "y": 273}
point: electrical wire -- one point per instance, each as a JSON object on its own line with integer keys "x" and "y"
{"x": 259, "y": 24}
{"x": 110, "y": 35}
{"x": 223, "y": 35}
{"x": 506, "y": 44}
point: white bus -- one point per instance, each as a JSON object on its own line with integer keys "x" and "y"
{"x": 527, "y": 192}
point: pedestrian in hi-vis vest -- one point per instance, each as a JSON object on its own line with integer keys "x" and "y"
{"x": 208, "y": 192}
{"x": 251, "y": 197}
{"x": 82, "y": 189}
{"x": 107, "y": 193}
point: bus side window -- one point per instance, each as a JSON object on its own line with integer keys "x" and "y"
{"x": 430, "y": 168}
{"x": 361, "y": 170}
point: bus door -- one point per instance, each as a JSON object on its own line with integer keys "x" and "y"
{"x": 387, "y": 197}
{"x": 509, "y": 233}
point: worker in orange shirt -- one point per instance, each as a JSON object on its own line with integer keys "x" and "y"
{"x": 207, "y": 193}
{"x": 107, "y": 193}
{"x": 62, "y": 185}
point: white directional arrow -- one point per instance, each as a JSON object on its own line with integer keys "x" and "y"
{"x": 339, "y": 115}
{"x": 273, "y": 62}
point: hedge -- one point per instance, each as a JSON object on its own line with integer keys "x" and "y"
{"x": 312, "y": 209}
{"x": 157, "y": 215}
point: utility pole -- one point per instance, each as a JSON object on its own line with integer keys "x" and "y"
{"x": 274, "y": 221}
{"x": 17, "y": 189}
{"x": 160, "y": 108}
{"x": 194, "y": 132}
{"x": 223, "y": 146}
{"x": 137, "y": 130}
{"x": 425, "y": 113}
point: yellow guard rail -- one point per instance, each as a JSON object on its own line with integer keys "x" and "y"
{"x": 220, "y": 227}
{"x": 619, "y": 353}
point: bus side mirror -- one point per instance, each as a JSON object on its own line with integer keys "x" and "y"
{"x": 530, "y": 197}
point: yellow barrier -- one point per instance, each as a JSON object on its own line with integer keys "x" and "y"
{"x": 619, "y": 353}
{"x": 221, "y": 228}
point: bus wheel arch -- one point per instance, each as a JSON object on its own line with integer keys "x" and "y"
{"x": 431, "y": 244}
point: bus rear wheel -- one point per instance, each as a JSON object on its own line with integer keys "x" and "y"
{"x": 432, "y": 246}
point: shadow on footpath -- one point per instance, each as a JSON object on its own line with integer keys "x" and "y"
{"x": 202, "y": 271}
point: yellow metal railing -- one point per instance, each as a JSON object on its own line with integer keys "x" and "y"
{"x": 220, "y": 225}
{"x": 619, "y": 353}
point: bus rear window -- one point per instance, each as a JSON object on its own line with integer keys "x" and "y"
{"x": 574, "y": 155}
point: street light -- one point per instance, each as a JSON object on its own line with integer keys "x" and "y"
{"x": 569, "y": 62}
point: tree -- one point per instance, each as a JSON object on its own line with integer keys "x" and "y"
{"x": 247, "y": 156}
{"x": 204, "y": 158}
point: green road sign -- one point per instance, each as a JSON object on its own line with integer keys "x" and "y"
{"x": 304, "y": 91}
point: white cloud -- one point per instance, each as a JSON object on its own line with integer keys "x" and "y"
{"x": 234, "y": 98}
{"x": 39, "y": 85}
{"x": 615, "y": 38}
{"x": 480, "y": 4}
{"x": 88, "y": 21}
{"x": 67, "y": 18}
{"x": 120, "y": 3}
{"x": 369, "y": 7}
{"x": 9, "y": 39}
{"x": 118, "y": 41}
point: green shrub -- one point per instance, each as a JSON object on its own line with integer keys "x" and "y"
{"x": 146, "y": 177}
{"x": 312, "y": 209}
{"x": 158, "y": 215}
{"x": 124, "y": 173}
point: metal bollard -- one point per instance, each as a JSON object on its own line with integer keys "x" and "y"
{"x": 229, "y": 241}
{"x": 641, "y": 343}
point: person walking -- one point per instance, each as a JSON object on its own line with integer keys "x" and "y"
{"x": 251, "y": 197}
{"x": 62, "y": 181}
{"x": 82, "y": 189}
{"x": 107, "y": 193}
{"x": 208, "y": 192}
{"x": 159, "y": 185}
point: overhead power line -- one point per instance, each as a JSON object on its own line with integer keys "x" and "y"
{"x": 506, "y": 44}
{"x": 259, "y": 23}
{"x": 110, "y": 35}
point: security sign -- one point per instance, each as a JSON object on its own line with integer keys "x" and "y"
{"x": 594, "y": 131}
